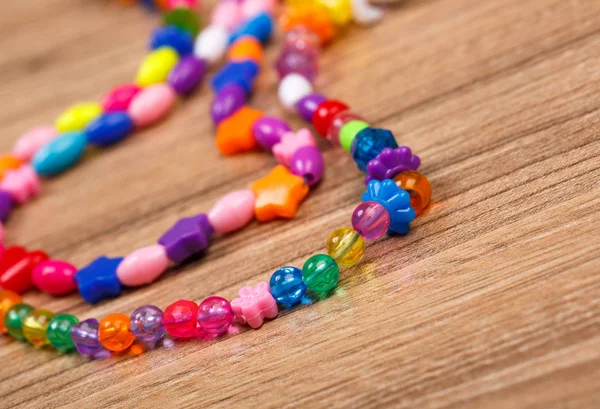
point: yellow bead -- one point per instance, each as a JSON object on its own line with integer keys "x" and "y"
{"x": 156, "y": 66}
{"x": 35, "y": 325}
{"x": 346, "y": 246}
{"x": 76, "y": 117}
{"x": 339, "y": 11}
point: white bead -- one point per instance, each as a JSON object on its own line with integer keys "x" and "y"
{"x": 292, "y": 88}
{"x": 211, "y": 43}
{"x": 364, "y": 13}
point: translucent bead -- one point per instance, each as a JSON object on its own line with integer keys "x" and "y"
{"x": 35, "y": 325}
{"x": 13, "y": 320}
{"x": 303, "y": 62}
{"x": 337, "y": 123}
{"x": 368, "y": 143}
{"x": 320, "y": 273}
{"x": 59, "y": 332}
{"x": 287, "y": 286}
{"x": 313, "y": 16}
{"x": 215, "y": 315}
{"x": 114, "y": 333}
{"x": 418, "y": 186}
{"x": 146, "y": 323}
{"x": 180, "y": 319}
{"x": 371, "y": 220}
{"x": 7, "y": 300}
{"x": 85, "y": 337}
{"x": 346, "y": 246}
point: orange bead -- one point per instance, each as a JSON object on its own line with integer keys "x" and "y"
{"x": 114, "y": 333}
{"x": 234, "y": 134}
{"x": 417, "y": 186}
{"x": 278, "y": 194}
{"x": 245, "y": 48}
{"x": 7, "y": 300}
{"x": 8, "y": 162}
{"x": 313, "y": 16}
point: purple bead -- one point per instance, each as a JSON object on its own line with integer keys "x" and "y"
{"x": 215, "y": 315}
{"x": 146, "y": 323}
{"x": 227, "y": 100}
{"x": 303, "y": 62}
{"x": 268, "y": 131}
{"x": 187, "y": 237}
{"x": 371, "y": 220}
{"x": 85, "y": 337}
{"x": 187, "y": 74}
{"x": 6, "y": 205}
{"x": 308, "y": 105}
{"x": 390, "y": 162}
{"x": 307, "y": 162}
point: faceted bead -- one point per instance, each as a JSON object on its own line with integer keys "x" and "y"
{"x": 85, "y": 337}
{"x": 98, "y": 280}
{"x": 227, "y": 100}
{"x": 320, "y": 273}
{"x": 146, "y": 323}
{"x": 254, "y": 304}
{"x": 21, "y": 184}
{"x": 16, "y": 267}
{"x": 245, "y": 48}
{"x": 418, "y": 186}
{"x": 371, "y": 220}
{"x": 180, "y": 319}
{"x": 59, "y": 332}
{"x": 324, "y": 114}
{"x": 346, "y": 246}
{"x": 35, "y": 325}
{"x": 307, "y": 106}
{"x": 151, "y": 104}
{"x": 55, "y": 277}
{"x": 59, "y": 154}
{"x": 156, "y": 66}
{"x": 287, "y": 286}
{"x": 184, "y": 19}
{"x": 268, "y": 131}
{"x": 211, "y": 44}
{"x": 369, "y": 143}
{"x": 215, "y": 315}
{"x": 143, "y": 266}
{"x": 31, "y": 141}
{"x": 260, "y": 26}
{"x": 348, "y": 133}
{"x": 307, "y": 162}
{"x": 234, "y": 134}
{"x": 232, "y": 212}
{"x": 169, "y": 36}
{"x": 187, "y": 75}
{"x": 7, "y": 300}
{"x": 188, "y": 237}
{"x": 109, "y": 128}
{"x": 120, "y": 97}
{"x": 76, "y": 117}
{"x": 292, "y": 88}
{"x": 337, "y": 123}
{"x": 114, "y": 333}
{"x": 8, "y": 162}
{"x": 13, "y": 320}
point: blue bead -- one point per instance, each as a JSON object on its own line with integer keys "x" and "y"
{"x": 260, "y": 27}
{"x": 287, "y": 286}
{"x": 368, "y": 143}
{"x": 171, "y": 36}
{"x": 98, "y": 280}
{"x": 59, "y": 154}
{"x": 241, "y": 73}
{"x": 109, "y": 128}
{"x": 149, "y": 4}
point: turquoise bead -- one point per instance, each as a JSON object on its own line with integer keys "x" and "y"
{"x": 59, "y": 154}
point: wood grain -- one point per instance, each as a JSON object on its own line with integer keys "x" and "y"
{"x": 491, "y": 301}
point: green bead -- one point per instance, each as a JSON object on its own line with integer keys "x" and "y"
{"x": 13, "y": 320}
{"x": 59, "y": 332}
{"x": 349, "y": 132}
{"x": 184, "y": 19}
{"x": 320, "y": 273}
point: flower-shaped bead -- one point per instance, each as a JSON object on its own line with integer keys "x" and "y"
{"x": 395, "y": 200}
{"x": 390, "y": 162}
{"x": 254, "y": 305}
{"x": 290, "y": 143}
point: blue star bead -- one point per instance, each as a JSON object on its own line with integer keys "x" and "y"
{"x": 98, "y": 280}
{"x": 395, "y": 200}
{"x": 368, "y": 143}
{"x": 187, "y": 237}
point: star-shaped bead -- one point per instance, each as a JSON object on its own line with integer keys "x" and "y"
{"x": 98, "y": 280}
{"x": 290, "y": 143}
{"x": 187, "y": 237}
{"x": 254, "y": 305}
{"x": 234, "y": 134}
{"x": 278, "y": 194}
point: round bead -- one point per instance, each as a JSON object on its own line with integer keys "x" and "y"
{"x": 55, "y": 277}
{"x": 346, "y": 246}
{"x": 184, "y": 19}
{"x": 59, "y": 154}
{"x": 143, "y": 266}
{"x": 120, "y": 97}
{"x": 76, "y": 117}
{"x": 7, "y": 300}
{"x": 307, "y": 106}
{"x": 187, "y": 75}
{"x": 109, "y": 129}
{"x": 226, "y": 15}
{"x": 232, "y": 212}
{"x": 337, "y": 123}
{"x": 287, "y": 286}
{"x": 307, "y": 162}
{"x": 30, "y": 142}
{"x": 169, "y": 36}
{"x": 268, "y": 131}
{"x": 211, "y": 44}
{"x": 114, "y": 333}
{"x": 156, "y": 66}
{"x": 59, "y": 332}
{"x": 215, "y": 315}
{"x": 13, "y": 320}
{"x": 418, "y": 186}
{"x": 292, "y": 88}
{"x": 303, "y": 62}
{"x": 245, "y": 48}
{"x": 180, "y": 319}
{"x": 151, "y": 104}
{"x": 371, "y": 220}
{"x": 320, "y": 273}
{"x": 364, "y": 13}
{"x": 324, "y": 114}
{"x": 227, "y": 100}
{"x": 85, "y": 337}
{"x": 35, "y": 325}
{"x": 368, "y": 143}
{"x": 146, "y": 323}
{"x": 348, "y": 133}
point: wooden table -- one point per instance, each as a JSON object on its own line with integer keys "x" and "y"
{"x": 491, "y": 301}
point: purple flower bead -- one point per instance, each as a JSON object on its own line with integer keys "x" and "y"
{"x": 187, "y": 74}
{"x": 307, "y": 162}
{"x": 268, "y": 131}
{"x": 6, "y": 205}
{"x": 390, "y": 162}
{"x": 227, "y": 100}
{"x": 187, "y": 237}
{"x": 308, "y": 105}
{"x": 84, "y": 335}
{"x": 146, "y": 323}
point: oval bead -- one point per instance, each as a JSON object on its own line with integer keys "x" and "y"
{"x": 215, "y": 315}
{"x": 114, "y": 334}
{"x": 169, "y": 36}
{"x": 308, "y": 105}
{"x": 307, "y": 162}
{"x": 109, "y": 128}
{"x": 151, "y": 104}
{"x": 226, "y": 15}
{"x": 7, "y": 299}
{"x": 31, "y": 141}
{"x": 156, "y": 66}
{"x": 6, "y": 206}
{"x": 55, "y": 277}
{"x": 143, "y": 266}
{"x": 120, "y": 98}
{"x": 187, "y": 74}
{"x": 320, "y": 273}
{"x": 211, "y": 44}
{"x": 268, "y": 131}
{"x": 13, "y": 320}
{"x": 76, "y": 117}
{"x": 232, "y": 212}
{"x": 16, "y": 268}
{"x": 35, "y": 325}
{"x": 292, "y": 88}
{"x": 287, "y": 286}
{"x": 59, "y": 154}
{"x": 146, "y": 323}
{"x": 227, "y": 100}
{"x": 59, "y": 332}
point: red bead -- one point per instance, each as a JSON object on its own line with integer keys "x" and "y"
{"x": 16, "y": 268}
{"x": 180, "y": 319}
{"x": 324, "y": 114}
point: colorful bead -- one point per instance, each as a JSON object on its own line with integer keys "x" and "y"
{"x": 226, "y": 15}
{"x": 180, "y": 319}
{"x": 146, "y": 323}
{"x": 260, "y": 27}
{"x": 16, "y": 268}
{"x": 290, "y": 143}
{"x": 21, "y": 184}
{"x": 76, "y": 117}
{"x": 98, "y": 280}
{"x": 245, "y": 48}
{"x": 187, "y": 75}
{"x": 59, "y": 154}
{"x": 278, "y": 194}
{"x": 312, "y": 16}
{"x": 7, "y": 163}
{"x": 13, "y": 320}
{"x": 320, "y": 273}
{"x": 242, "y": 73}
{"x": 190, "y": 4}
{"x": 184, "y": 19}
{"x": 232, "y": 212}
{"x": 371, "y": 220}
{"x": 55, "y": 277}
{"x": 390, "y": 162}
{"x": 395, "y": 200}
{"x": 268, "y": 131}
{"x": 292, "y": 88}
{"x": 211, "y": 44}
{"x": 287, "y": 286}
{"x": 369, "y": 143}
{"x": 340, "y": 11}
{"x": 254, "y": 305}
{"x": 215, "y": 315}
{"x": 417, "y": 186}
{"x": 35, "y": 325}
{"x": 169, "y": 36}
{"x": 234, "y": 134}
{"x": 299, "y": 54}
{"x": 151, "y": 105}
{"x": 85, "y": 337}
{"x": 7, "y": 300}
{"x": 228, "y": 99}
{"x": 109, "y": 129}
{"x": 188, "y": 237}
{"x": 143, "y": 266}
{"x": 364, "y": 13}
{"x": 307, "y": 106}
{"x": 251, "y": 8}
{"x": 307, "y": 162}
{"x": 6, "y": 205}
{"x": 337, "y": 123}
{"x": 325, "y": 113}
{"x": 30, "y": 142}
{"x": 348, "y": 133}
{"x": 114, "y": 334}
{"x": 120, "y": 97}
{"x": 59, "y": 332}
{"x": 156, "y": 66}
{"x": 345, "y": 246}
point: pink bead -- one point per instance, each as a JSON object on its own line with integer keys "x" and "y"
{"x": 22, "y": 184}
{"x": 31, "y": 141}
{"x": 371, "y": 220}
{"x": 215, "y": 315}
{"x": 151, "y": 104}
{"x": 254, "y": 305}
{"x": 119, "y": 98}
{"x": 290, "y": 143}
{"x": 55, "y": 277}
{"x": 227, "y": 14}
{"x": 232, "y": 212}
{"x": 143, "y": 266}
{"x": 180, "y": 319}
{"x": 174, "y": 4}
{"x": 250, "y": 8}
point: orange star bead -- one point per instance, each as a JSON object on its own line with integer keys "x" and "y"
{"x": 278, "y": 194}
{"x": 234, "y": 134}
